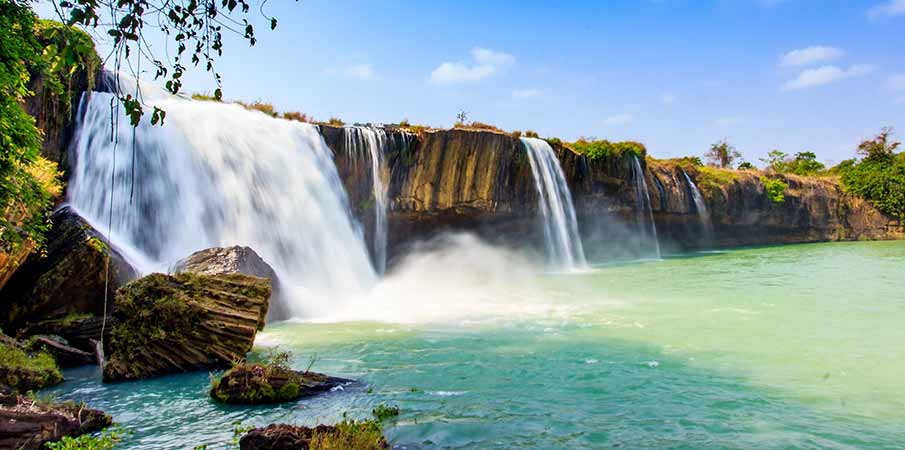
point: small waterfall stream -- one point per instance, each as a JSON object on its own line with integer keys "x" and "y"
{"x": 645, "y": 211}
{"x": 555, "y": 201}
{"x": 699, "y": 205}
{"x": 369, "y": 144}
{"x": 219, "y": 175}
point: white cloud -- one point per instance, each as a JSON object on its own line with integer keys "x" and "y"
{"x": 896, "y": 83}
{"x": 486, "y": 64}
{"x": 826, "y": 75}
{"x": 887, "y": 9}
{"x": 725, "y": 122}
{"x": 811, "y": 55}
{"x": 668, "y": 98}
{"x": 619, "y": 119}
{"x": 527, "y": 93}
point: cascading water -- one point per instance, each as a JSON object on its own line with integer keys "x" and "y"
{"x": 699, "y": 205}
{"x": 645, "y": 211}
{"x": 370, "y": 143}
{"x": 218, "y": 175}
{"x": 555, "y": 200}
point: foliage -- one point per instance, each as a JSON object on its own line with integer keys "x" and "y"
{"x": 350, "y": 435}
{"x": 775, "y": 161}
{"x": 775, "y": 189}
{"x": 27, "y": 182}
{"x": 516, "y": 134}
{"x": 105, "y": 441}
{"x": 745, "y": 165}
{"x": 205, "y": 97}
{"x": 723, "y": 155}
{"x": 598, "y": 149}
{"x": 711, "y": 178}
{"x": 462, "y": 117}
{"x": 66, "y": 52}
{"x": 531, "y": 134}
{"x": 404, "y": 123}
{"x": 880, "y": 181}
{"x": 383, "y": 412}
{"x": 196, "y": 28}
{"x": 880, "y": 147}
{"x": 27, "y": 371}
{"x": 804, "y": 164}
{"x": 264, "y": 107}
{"x": 475, "y": 125}
{"x": 336, "y": 122}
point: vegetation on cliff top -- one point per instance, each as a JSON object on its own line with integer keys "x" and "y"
{"x": 879, "y": 176}
{"x": 602, "y": 148}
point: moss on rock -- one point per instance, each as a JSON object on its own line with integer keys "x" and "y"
{"x": 23, "y": 372}
{"x": 269, "y": 383}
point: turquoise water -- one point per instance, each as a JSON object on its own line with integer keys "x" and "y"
{"x": 780, "y": 347}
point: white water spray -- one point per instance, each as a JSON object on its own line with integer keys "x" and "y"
{"x": 645, "y": 211}
{"x": 699, "y": 204}
{"x": 218, "y": 175}
{"x": 370, "y": 143}
{"x": 555, "y": 201}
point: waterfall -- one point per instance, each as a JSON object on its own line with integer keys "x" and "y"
{"x": 645, "y": 211}
{"x": 218, "y": 175}
{"x": 369, "y": 144}
{"x": 699, "y": 205}
{"x": 555, "y": 201}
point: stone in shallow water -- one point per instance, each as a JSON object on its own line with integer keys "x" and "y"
{"x": 231, "y": 260}
{"x": 26, "y": 424}
{"x": 257, "y": 384}
{"x": 167, "y": 324}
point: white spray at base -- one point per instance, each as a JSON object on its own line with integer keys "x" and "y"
{"x": 645, "y": 211}
{"x": 369, "y": 143}
{"x": 219, "y": 175}
{"x": 563, "y": 242}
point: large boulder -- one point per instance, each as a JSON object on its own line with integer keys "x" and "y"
{"x": 69, "y": 280}
{"x": 26, "y": 424}
{"x": 259, "y": 384}
{"x": 176, "y": 323}
{"x": 235, "y": 259}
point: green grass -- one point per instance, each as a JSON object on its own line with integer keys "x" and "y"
{"x": 712, "y": 178}
{"x": 24, "y": 371}
{"x": 599, "y": 149}
{"x": 350, "y": 435}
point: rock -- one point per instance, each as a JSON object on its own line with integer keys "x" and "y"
{"x": 69, "y": 280}
{"x": 257, "y": 384}
{"x": 23, "y": 372}
{"x": 236, "y": 259}
{"x": 166, "y": 324}
{"x": 79, "y": 331}
{"x": 65, "y": 355}
{"x": 348, "y": 435}
{"x": 27, "y": 424}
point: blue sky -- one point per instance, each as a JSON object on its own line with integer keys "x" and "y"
{"x": 675, "y": 74}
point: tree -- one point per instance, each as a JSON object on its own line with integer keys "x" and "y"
{"x": 196, "y": 27}
{"x": 775, "y": 161}
{"x": 722, "y": 155}
{"x": 804, "y": 163}
{"x": 462, "y": 117}
{"x": 880, "y": 147}
{"x": 745, "y": 165}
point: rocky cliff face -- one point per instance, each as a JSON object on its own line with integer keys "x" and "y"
{"x": 481, "y": 181}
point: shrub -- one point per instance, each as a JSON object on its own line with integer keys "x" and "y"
{"x": 404, "y": 123}
{"x": 475, "y": 125}
{"x": 204, "y": 97}
{"x": 263, "y": 107}
{"x": 516, "y": 134}
{"x": 721, "y": 154}
{"x": 880, "y": 177}
{"x": 712, "y": 178}
{"x": 383, "y": 412}
{"x": 598, "y": 149}
{"x": 105, "y": 441}
{"x": 27, "y": 372}
{"x": 336, "y": 122}
{"x": 350, "y": 435}
{"x": 746, "y": 166}
{"x": 531, "y": 134}
{"x": 775, "y": 189}
{"x": 297, "y": 116}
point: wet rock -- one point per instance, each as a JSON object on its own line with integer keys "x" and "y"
{"x": 69, "y": 280}
{"x": 258, "y": 384}
{"x": 229, "y": 260}
{"x": 166, "y": 324}
{"x": 27, "y": 424}
{"x": 353, "y": 436}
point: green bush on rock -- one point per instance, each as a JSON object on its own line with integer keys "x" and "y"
{"x": 775, "y": 189}
{"x": 880, "y": 177}
{"x": 23, "y": 372}
{"x": 598, "y": 149}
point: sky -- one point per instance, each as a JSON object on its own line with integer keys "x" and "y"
{"x": 676, "y": 75}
